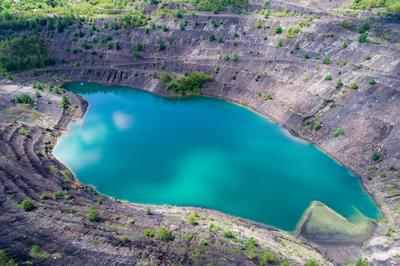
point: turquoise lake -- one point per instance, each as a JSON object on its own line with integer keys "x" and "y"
{"x": 203, "y": 152}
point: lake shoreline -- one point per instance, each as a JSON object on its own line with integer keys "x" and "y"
{"x": 285, "y": 132}
{"x": 58, "y": 215}
{"x": 76, "y": 186}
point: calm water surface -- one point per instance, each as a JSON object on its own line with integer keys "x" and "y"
{"x": 202, "y": 152}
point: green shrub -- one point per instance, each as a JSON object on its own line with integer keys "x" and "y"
{"x": 317, "y": 125}
{"x": 148, "y": 232}
{"x": 234, "y": 74}
{"x": 58, "y": 194}
{"x": 279, "y": 44}
{"x": 212, "y": 38}
{"x": 44, "y": 197}
{"x": 23, "y": 99}
{"x": 192, "y": 218}
{"x": 38, "y": 252}
{"x": 27, "y": 205}
{"x": 346, "y": 24}
{"x": 165, "y": 78}
{"x": 361, "y": 262}
{"x": 364, "y": 28}
{"x": 372, "y": 82}
{"x": 64, "y": 103}
{"x": 266, "y": 96}
{"x": 137, "y": 50}
{"x": 292, "y": 32}
{"x": 161, "y": 46}
{"x": 148, "y": 211}
{"x": 213, "y": 228}
{"x": 235, "y": 58}
{"x": 250, "y": 249}
{"x": 164, "y": 234}
{"x": 327, "y": 61}
{"x": 189, "y": 84}
{"x": 125, "y": 239}
{"x": 306, "y": 56}
{"x": 363, "y": 38}
{"x": 277, "y": 30}
{"x": 92, "y": 214}
{"x": 229, "y": 234}
{"x": 164, "y": 28}
{"x": 353, "y": 86}
{"x": 328, "y": 77}
{"x": 5, "y": 260}
{"x": 339, "y": 84}
{"x": 216, "y": 6}
{"x": 376, "y": 157}
{"x": 311, "y": 263}
{"x": 22, "y": 131}
{"x": 20, "y": 53}
{"x": 132, "y": 20}
{"x": 337, "y": 132}
{"x": 268, "y": 258}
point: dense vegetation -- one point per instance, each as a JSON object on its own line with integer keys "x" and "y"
{"x": 5, "y": 260}
{"x": 216, "y": 6}
{"x": 187, "y": 85}
{"x": 391, "y": 5}
{"x": 24, "y": 52}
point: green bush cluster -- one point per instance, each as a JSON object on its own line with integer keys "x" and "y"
{"x": 376, "y": 156}
{"x": 391, "y": 5}
{"x": 148, "y": 232}
{"x": 192, "y": 218}
{"x": 187, "y": 85}
{"x": 92, "y": 214}
{"x": 64, "y": 103}
{"x": 229, "y": 234}
{"x": 293, "y": 31}
{"x": 337, "y": 132}
{"x": 216, "y": 6}
{"x": 23, "y": 98}
{"x": 134, "y": 19}
{"x": 25, "y": 52}
{"x": 27, "y": 205}
{"x": 164, "y": 234}
{"x": 5, "y": 260}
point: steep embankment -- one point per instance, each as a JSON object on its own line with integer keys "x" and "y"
{"x": 321, "y": 81}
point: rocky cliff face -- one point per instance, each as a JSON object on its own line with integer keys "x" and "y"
{"x": 318, "y": 78}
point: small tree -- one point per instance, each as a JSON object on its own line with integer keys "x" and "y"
{"x": 376, "y": 157}
{"x": 27, "y": 205}
{"x": 23, "y": 98}
{"x": 164, "y": 234}
{"x": 353, "y": 86}
{"x": 363, "y": 38}
{"x": 64, "y": 103}
{"x": 278, "y": 29}
{"x": 148, "y": 232}
{"x": 92, "y": 214}
{"x": 192, "y": 218}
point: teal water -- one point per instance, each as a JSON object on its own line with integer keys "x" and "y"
{"x": 202, "y": 152}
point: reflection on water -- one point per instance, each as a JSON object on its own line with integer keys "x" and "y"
{"x": 202, "y": 152}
